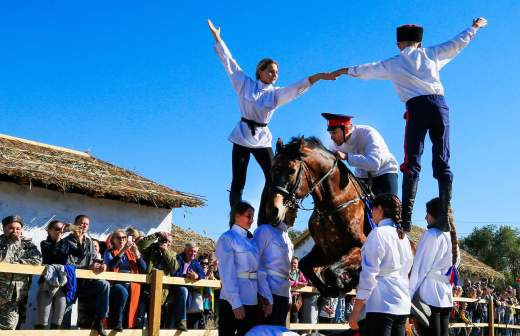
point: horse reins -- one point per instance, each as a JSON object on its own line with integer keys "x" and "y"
{"x": 291, "y": 195}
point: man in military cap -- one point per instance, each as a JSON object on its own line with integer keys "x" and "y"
{"x": 363, "y": 148}
{"x": 15, "y": 249}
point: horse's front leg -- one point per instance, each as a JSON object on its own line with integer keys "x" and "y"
{"x": 350, "y": 264}
{"x": 316, "y": 258}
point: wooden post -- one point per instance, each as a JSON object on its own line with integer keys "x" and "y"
{"x": 154, "y": 318}
{"x": 491, "y": 316}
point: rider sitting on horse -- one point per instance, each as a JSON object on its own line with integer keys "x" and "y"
{"x": 365, "y": 149}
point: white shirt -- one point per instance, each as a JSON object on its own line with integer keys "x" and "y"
{"x": 257, "y": 100}
{"x": 433, "y": 255}
{"x": 236, "y": 253}
{"x": 276, "y": 251}
{"x": 367, "y": 152}
{"x": 415, "y": 71}
{"x": 330, "y": 303}
{"x": 270, "y": 330}
{"x": 386, "y": 261}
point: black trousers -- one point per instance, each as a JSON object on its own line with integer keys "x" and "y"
{"x": 381, "y": 324}
{"x": 229, "y": 326}
{"x": 383, "y": 184}
{"x": 240, "y": 161}
{"x": 427, "y": 114}
{"x": 280, "y": 311}
{"x": 439, "y": 322}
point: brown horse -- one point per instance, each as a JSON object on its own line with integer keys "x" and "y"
{"x": 338, "y": 224}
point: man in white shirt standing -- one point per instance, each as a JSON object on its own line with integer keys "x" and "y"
{"x": 365, "y": 149}
{"x": 415, "y": 73}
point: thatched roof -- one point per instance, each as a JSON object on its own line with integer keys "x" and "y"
{"x": 182, "y": 236}
{"x": 469, "y": 264}
{"x": 65, "y": 170}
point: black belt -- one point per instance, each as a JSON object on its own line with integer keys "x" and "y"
{"x": 253, "y": 125}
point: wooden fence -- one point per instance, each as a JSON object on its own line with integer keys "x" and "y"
{"x": 157, "y": 280}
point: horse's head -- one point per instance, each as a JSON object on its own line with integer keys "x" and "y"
{"x": 295, "y": 167}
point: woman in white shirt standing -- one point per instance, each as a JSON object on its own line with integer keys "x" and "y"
{"x": 240, "y": 278}
{"x": 275, "y": 251}
{"x": 258, "y": 99}
{"x": 383, "y": 283}
{"x": 433, "y": 261}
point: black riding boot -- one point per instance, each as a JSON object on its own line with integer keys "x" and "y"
{"x": 443, "y": 222}
{"x": 263, "y": 213}
{"x": 234, "y": 197}
{"x": 408, "y": 192}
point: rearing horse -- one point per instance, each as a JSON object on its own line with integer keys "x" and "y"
{"x": 338, "y": 223}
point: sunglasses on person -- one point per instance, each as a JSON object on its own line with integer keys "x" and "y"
{"x": 120, "y": 237}
{"x": 58, "y": 229}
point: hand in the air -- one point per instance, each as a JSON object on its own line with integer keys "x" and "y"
{"x": 339, "y": 72}
{"x": 479, "y": 22}
{"x": 214, "y": 31}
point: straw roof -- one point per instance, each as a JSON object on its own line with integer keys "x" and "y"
{"x": 182, "y": 236}
{"x": 469, "y": 265}
{"x": 65, "y": 170}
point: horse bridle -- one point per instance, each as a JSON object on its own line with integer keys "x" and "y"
{"x": 290, "y": 196}
{"x": 290, "y": 199}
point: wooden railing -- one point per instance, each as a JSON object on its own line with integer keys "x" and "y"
{"x": 157, "y": 280}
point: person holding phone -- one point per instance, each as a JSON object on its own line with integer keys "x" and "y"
{"x": 87, "y": 290}
{"x": 124, "y": 256}
{"x": 55, "y": 251}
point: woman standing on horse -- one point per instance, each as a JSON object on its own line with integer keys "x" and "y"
{"x": 433, "y": 261}
{"x": 258, "y": 99}
{"x": 383, "y": 283}
{"x": 242, "y": 281}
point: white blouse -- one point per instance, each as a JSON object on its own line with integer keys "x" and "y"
{"x": 416, "y": 71}
{"x": 257, "y": 100}
{"x": 367, "y": 152}
{"x": 238, "y": 258}
{"x": 276, "y": 251}
{"x": 432, "y": 261}
{"x": 386, "y": 261}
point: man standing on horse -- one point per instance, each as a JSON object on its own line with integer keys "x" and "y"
{"x": 415, "y": 73}
{"x": 365, "y": 149}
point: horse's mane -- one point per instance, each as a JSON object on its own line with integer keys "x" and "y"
{"x": 293, "y": 146}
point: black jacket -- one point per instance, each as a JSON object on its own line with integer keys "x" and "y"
{"x": 59, "y": 252}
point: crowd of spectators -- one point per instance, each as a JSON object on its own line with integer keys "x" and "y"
{"x": 120, "y": 305}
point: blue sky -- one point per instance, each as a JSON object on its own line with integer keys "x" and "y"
{"x": 139, "y": 85}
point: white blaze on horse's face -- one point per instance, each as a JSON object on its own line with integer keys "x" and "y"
{"x": 280, "y": 207}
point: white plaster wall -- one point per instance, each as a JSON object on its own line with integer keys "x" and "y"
{"x": 38, "y": 206}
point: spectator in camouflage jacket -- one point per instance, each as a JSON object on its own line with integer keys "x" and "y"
{"x": 15, "y": 249}
{"x": 157, "y": 253}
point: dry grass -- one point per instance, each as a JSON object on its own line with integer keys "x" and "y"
{"x": 181, "y": 237}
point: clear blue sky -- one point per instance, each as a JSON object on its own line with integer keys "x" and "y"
{"x": 139, "y": 85}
